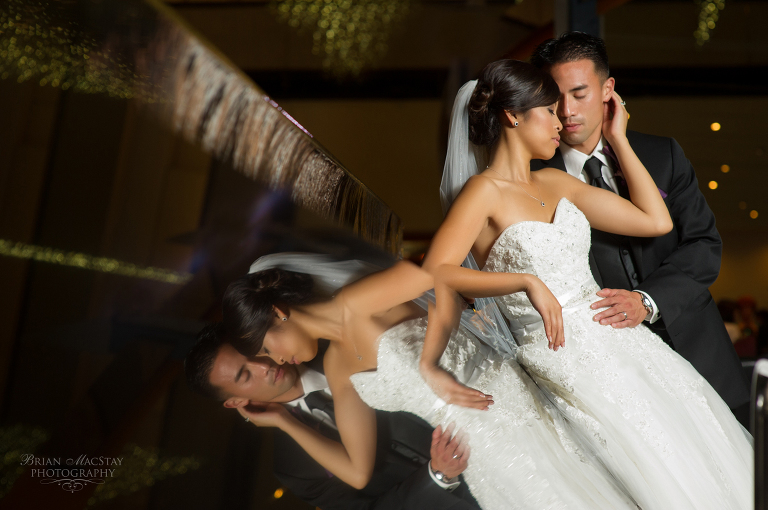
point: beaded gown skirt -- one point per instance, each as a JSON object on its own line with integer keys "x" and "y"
{"x": 524, "y": 454}
{"x": 652, "y": 420}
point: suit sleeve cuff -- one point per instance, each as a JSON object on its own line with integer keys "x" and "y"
{"x": 653, "y": 316}
{"x": 446, "y": 486}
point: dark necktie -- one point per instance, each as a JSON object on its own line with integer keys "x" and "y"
{"x": 593, "y": 170}
{"x": 318, "y": 400}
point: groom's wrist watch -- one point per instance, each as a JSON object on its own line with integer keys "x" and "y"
{"x": 442, "y": 480}
{"x": 646, "y": 304}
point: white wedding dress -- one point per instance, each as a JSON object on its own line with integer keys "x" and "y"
{"x": 653, "y": 421}
{"x": 523, "y": 454}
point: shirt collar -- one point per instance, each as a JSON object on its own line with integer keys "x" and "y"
{"x": 574, "y": 160}
{"x": 311, "y": 380}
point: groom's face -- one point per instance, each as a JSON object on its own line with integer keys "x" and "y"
{"x": 244, "y": 380}
{"x": 582, "y": 96}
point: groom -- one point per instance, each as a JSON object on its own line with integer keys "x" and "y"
{"x": 409, "y": 460}
{"x": 661, "y": 281}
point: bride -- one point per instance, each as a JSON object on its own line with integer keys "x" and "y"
{"x": 651, "y": 419}
{"x": 524, "y": 455}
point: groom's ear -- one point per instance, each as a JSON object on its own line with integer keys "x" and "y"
{"x": 235, "y": 402}
{"x": 608, "y": 86}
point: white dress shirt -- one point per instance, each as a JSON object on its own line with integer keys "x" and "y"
{"x": 313, "y": 381}
{"x": 574, "y": 164}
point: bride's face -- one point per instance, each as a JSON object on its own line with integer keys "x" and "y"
{"x": 540, "y": 131}
{"x": 287, "y": 342}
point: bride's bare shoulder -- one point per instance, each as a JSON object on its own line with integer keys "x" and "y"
{"x": 479, "y": 187}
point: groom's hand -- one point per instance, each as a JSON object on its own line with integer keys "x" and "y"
{"x": 449, "y": 452}
{"x": 619, "y": 301}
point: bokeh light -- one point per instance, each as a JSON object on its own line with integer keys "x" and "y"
{"x": 725, "y": 169}
{"x": 715, "y": 126}
{"x": 712, "y": 184}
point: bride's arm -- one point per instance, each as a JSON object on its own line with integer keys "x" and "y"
{"x": 353, "y": 459}
{"x": 330, "y": 454}
{"x": 385, "y": 289}
{"x": 442, "y": 320}
{"x": 647, "y": 214}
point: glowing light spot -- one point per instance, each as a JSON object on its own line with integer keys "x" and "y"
{"x": 753, "y": 214}
{"x": 278, "y": 493}
{"x": 712, "y": 184}
{"x": 742, "y": 205}
{"x": 725, "y": 169}
{"x": 715, "y": 126}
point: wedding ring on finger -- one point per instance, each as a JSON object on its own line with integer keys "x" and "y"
{"x": 623, "y": 103}
{"x": 247, "y": 420}
{"x": 455, "y": 456}
{"x": 625, "y": 315}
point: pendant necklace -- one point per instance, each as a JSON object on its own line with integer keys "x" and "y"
{"x": 359, "y": 358}
{"x": 521, "y": 188}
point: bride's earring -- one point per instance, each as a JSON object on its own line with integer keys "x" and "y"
{"x": 285, "y": 318}
{"x": 516, "y": 123}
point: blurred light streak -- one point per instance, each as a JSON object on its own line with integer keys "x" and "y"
{"x": 84, "y": 261}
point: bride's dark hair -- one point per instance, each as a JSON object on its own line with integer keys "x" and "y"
{"x": 250, "y": 300}
{"x": 506, "y": 85}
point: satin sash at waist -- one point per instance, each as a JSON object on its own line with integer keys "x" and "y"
{"x": 527, "y": 324}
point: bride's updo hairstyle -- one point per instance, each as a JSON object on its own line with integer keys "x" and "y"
{"x": 250, "y": 300}
{"x": 506, "y": 85}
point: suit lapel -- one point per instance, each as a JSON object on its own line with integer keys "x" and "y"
{"x": 556, "y": 162}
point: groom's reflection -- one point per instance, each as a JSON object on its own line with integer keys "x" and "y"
{"x": 403, "y": 476}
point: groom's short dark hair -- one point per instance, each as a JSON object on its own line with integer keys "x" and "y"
{"x": 570, "y": 47}
{"x": 199, "y": 361}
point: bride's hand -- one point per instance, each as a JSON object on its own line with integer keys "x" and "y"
{"x": 550, "y": 310}
{"x": 268, "y": 415}
{"x": 615, "y": 118}
{"x": 445, "y": 386}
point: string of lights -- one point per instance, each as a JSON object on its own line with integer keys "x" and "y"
{"x": 350, "y": 34}
{"x": 708, "y": 17}
{"x": 37, "y": 44}
{"x": 84, "y": 261}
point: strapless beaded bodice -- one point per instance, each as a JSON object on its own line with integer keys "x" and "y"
{"x": 557, "y": 253}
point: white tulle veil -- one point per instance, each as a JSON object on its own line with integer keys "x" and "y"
{"x": 328, "y": 273}
{"x": 463, "y": 160}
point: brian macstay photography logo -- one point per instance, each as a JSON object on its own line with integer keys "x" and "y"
{"x": 71, "y": 473}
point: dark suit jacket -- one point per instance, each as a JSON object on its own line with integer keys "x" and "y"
{"x": 677, "y": 269}
{"x": 400, "y": 478}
